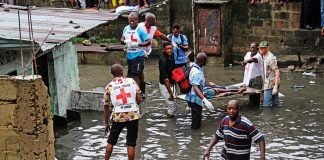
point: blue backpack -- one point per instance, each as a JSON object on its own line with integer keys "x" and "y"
{"x": 181, "y": 37}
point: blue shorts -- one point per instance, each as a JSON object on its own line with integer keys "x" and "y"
{"x": 135, "y": 66}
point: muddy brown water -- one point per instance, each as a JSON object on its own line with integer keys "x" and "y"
{"x": 294, "y": 130}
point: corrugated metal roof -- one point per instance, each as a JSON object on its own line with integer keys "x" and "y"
{"x": 43, "y": 19}
{"x": 15, "y": 44}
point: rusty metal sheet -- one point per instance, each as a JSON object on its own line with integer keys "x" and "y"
{"x": 209, "y": 31}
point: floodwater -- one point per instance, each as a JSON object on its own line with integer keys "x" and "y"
{"x": 294, "y": 130}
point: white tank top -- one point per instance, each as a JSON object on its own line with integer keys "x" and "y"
{"x": 132, "y": 34}
{"x": 253, "y": 69}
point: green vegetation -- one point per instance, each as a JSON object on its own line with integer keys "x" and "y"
{"x": 96, "y": 39}
{"x": 78, "y": 40}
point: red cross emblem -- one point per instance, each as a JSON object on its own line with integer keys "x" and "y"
{"x": 133, "y": 38}
{"x": 123, "y": 96}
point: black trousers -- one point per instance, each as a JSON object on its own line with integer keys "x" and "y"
{"x": 257, "y": 83}
{"x": 196, "y": 114}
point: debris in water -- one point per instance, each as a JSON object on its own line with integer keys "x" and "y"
{"x": 281, "y": 95}
{"x": 311, "y": 82}
{"x": 309, "y": 74}
{"x": 297, "y": 86}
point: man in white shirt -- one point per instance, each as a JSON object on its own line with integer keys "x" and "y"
{"x": 253, "y": 73}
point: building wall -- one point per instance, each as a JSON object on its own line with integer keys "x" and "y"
{"x": 111, "y": 29}
{"x": 26, "y": 127}
{"x": 63, "y": 77}
{"x": 108, "y": 58}
{"x": 280, "y": 25}
{"x": 181, "y": 13}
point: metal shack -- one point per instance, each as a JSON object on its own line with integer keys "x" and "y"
{"x": 50, "y": 34}
{"x": 213, "y": 28}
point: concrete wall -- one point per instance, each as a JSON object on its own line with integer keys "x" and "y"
{"x": 108, "y": 58}
{"x": 26, "y": 127}
{"x": 87, "y": 100}
{"x": 63, "y": 77}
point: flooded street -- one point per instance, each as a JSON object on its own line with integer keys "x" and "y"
{"x": 295, "y": 130}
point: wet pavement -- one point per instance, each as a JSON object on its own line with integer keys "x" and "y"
{"x": 294, "y": 130}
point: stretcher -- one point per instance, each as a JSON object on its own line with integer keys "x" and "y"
{"x": 231, "y": 92}
{"x": 233, "y": 88}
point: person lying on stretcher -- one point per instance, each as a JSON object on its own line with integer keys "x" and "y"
{"x": 212, "y": 90}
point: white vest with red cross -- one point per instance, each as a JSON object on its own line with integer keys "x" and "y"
{"x": 153, "y": 29}
{"x": 123, "y": 98}
{"x": 132, "y": 34}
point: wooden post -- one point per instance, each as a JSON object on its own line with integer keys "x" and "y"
{"x": 193, "y": 26}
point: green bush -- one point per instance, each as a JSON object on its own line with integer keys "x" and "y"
{"x": 78, "y": 40}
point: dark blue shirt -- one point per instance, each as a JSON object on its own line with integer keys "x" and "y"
{"x": 238, "y": 138}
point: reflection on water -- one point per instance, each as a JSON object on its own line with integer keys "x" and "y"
{"x": 293, "y": 131}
